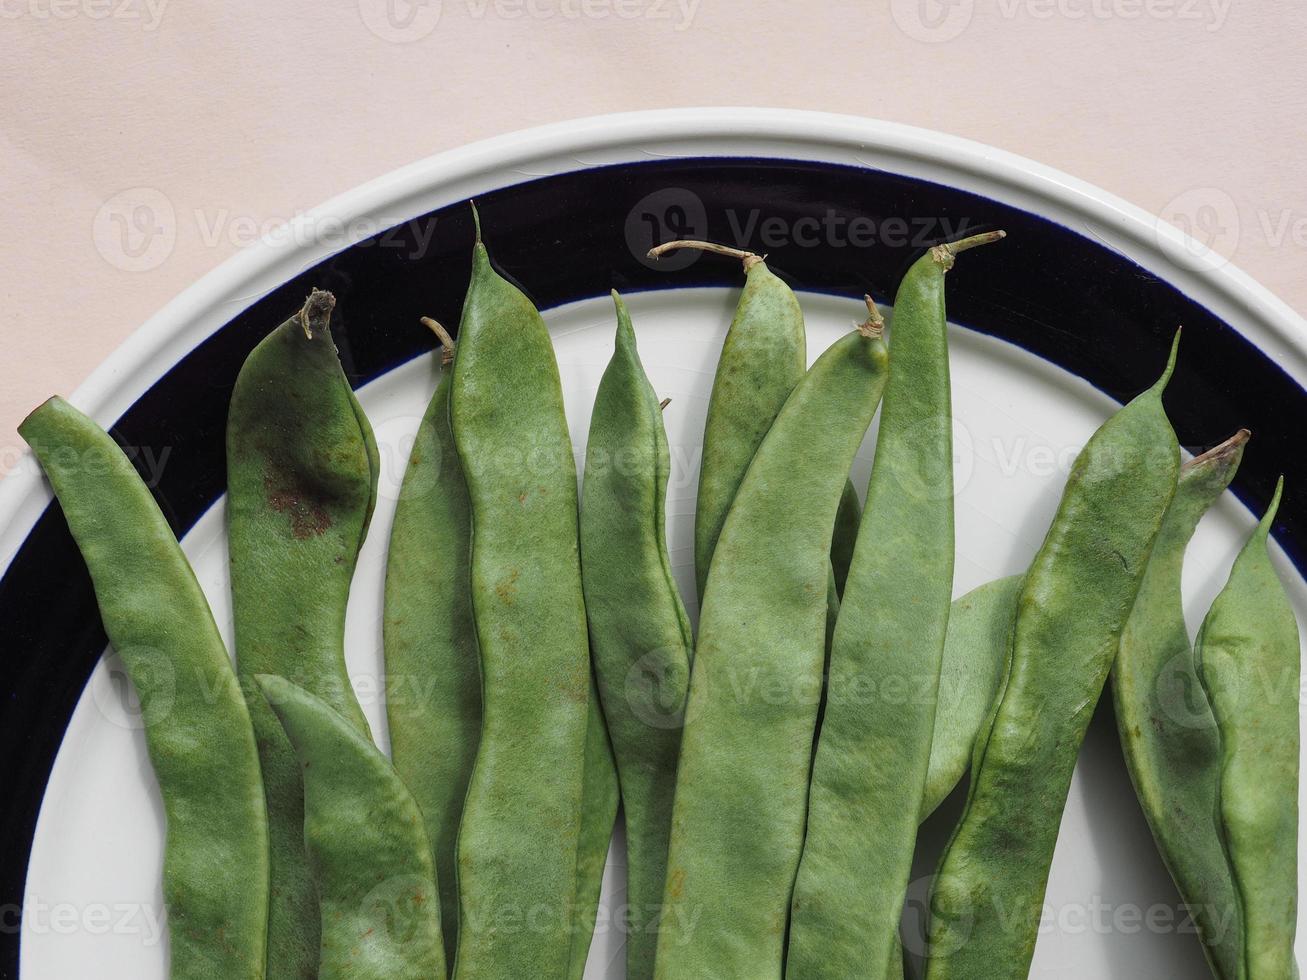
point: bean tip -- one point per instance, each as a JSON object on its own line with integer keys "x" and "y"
{"x": 476, "y": 220}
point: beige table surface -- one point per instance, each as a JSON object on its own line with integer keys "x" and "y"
{"x": 240, "y": 113}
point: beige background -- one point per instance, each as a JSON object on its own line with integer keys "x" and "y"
{"x": 236, "y": 115}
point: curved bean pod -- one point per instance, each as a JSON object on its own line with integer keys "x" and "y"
{"x": 1248, "y": 660}
{"x": 1168, "y": 735}
{"x": 763, "y": 357}
{"x": 433, "y": 674}
{"x": 1073, "y": 606}
{"x": 518, "y": 839}
{"x": 863, "y": 817}
{"x": 971, "y": 674}
{"x": 366, "y": 844}
{"x": 639, "y": 634}
{"x": 742, "y": 784}
{"x": 301, "y": 486}
{"x": 197, "y": 726}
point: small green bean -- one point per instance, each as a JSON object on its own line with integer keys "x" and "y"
{"x": 1074, "y": 603}
{"x": 1248, "y": 661}
{"x": 366, "y": 844}
{"x": 433, "y": 675}
{"x": 863, "y": 817}
{"x": 1168, "y": 735}
{"x": 742, "y": 784}
{"x": 519, "y": 836}
{"x": 302, "y": 483}
{"x": 197, "y": 726}
{"x": 639, "y": 633}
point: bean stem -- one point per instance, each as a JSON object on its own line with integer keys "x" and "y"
{"x": 315, "y": 315}
{"x": 446, "y": 341}
{"x": 1220, "y": 451}
{"x": 750, "y": 259}
{"x": 874, "y": 325}
{"x": 946, "y": 253}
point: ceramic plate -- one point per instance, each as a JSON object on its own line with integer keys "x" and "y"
{"x": 1069, "y": 316}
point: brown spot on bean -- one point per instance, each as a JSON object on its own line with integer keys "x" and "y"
{"x": 507, "y": 588}
{"x": 676, "y": 883}
{"x": 307, "y": 520}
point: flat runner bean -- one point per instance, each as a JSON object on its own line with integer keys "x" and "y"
{"x": 1168, "y": 735}
{"x": 519, "y": 836}
{"x": 762, "y": 359}
{"x": 639, "y": 633}
{"x": 1248, "y": 661}
{"x": 433, "y": 673}
{"x": 873, "y": 753}
{"x": 1074, "y": 602}
{"x": 742, "y": 784}
{"x": 367, "y": 847}
{"x": 301, "y": 486}
{"x": 196, "y": 725}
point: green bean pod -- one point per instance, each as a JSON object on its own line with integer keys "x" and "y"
{"x": 1248, "y": 661}
{"x": 197, "y": 727}
{"x": 600, "y": 796}
{"x": 884, "y": 665}
{"x": 519, "y": 836}
{"x": 763, "y": 357}
{"x": 971, "y": 674}
{"x": 1168, "y": 735}
{"x": 301, "y": 485}
{"x": 640, "y": 636}
{"x": 742, "y": 784}
{"x": 433, "y": 674}
{"x": 1073, "y": 606}
{"x": 366, "y": 844}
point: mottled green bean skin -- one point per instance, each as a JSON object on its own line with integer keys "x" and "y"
{"x": 518, "y": 840}
{"x": 366, "y": 844}
{"x": 433, "y": 674}
{"x": 873, "y": 753}
{"x": 742, "y": 784}
{"x": 1248, "y": 661}
{"x": 640, "y": 637}
{"x": 301, "y": 485}
{"x": 975, "y": 660}
{"x": 762, "y": 359}
{"x": 600, "y": 796}
{"x": 1168, "y": 735}
{"x": 197, "y": 727}
{"x": 1073, "y": 605}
